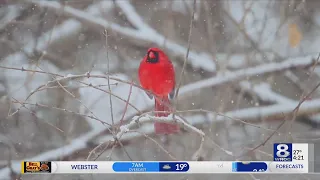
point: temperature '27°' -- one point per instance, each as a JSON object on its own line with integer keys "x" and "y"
{"x": 297, "y": 152}
{"x": 297, "y": 155}
{"x": 180, "y": 167}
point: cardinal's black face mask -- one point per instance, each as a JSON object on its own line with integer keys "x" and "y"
{"x": 153, "y": 59}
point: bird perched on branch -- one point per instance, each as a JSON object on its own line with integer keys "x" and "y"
{"x": 157, "y": 76}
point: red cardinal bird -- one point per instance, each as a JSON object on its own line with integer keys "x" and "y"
{"x": 156, "y": 74}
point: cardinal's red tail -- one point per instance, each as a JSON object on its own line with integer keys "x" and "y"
{"x": 163, "y": 104}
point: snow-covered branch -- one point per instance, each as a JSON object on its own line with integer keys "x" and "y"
{"x": 221, "y": 78}
{"x": 264, "y": 92}
{"x": 68, "y": 27}
{"x": 74, "y": 146}
{"x": 249, "y": 114}
{"x": 147, "y": 35}
{"x": 133, "y": 17}
{"x": 82, "y": 142}
{"x": 143, "y": 124}
{"x": 13, "y": 11}
{"x": 19, "y": 59}
{"x": 202, "y": 60}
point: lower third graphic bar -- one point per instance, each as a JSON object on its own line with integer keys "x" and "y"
{"x": 150, "y": 167}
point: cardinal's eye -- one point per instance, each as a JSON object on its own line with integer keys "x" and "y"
{"x": 152, "y": 57}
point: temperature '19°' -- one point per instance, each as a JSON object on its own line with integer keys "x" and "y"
{"x": 174, "y": 166}
{"x": 180, "y": 167}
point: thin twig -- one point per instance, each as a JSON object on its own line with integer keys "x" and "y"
{"x": 109, "y": 87}
{"x": 187, "y": 55}
{"x": 51, "y": 125}
{"x": 294, "y": 113}
{"x": 94, "y": 149}
{"x": 64, "y": 110}
{"x": 121, "y": 121}
{"x": 159, "y": 145}
{"x": 126, "y": 107}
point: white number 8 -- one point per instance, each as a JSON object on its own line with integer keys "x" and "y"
{"x": 282, "y": 150}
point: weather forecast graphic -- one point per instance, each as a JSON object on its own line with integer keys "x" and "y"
{"x": 288, "y": 158}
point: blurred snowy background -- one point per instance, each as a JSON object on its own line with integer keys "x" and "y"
{"x": 250, "y": 63}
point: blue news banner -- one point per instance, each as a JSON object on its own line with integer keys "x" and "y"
{"x": 183, "y": 167}
{"x": 150, "y": 167}
{"x": 249, "y": 167}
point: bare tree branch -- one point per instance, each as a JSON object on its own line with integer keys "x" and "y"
{"x": 197, "y": 60}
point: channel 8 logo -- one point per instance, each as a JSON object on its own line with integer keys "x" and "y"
{"x": 282, "y": 152}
